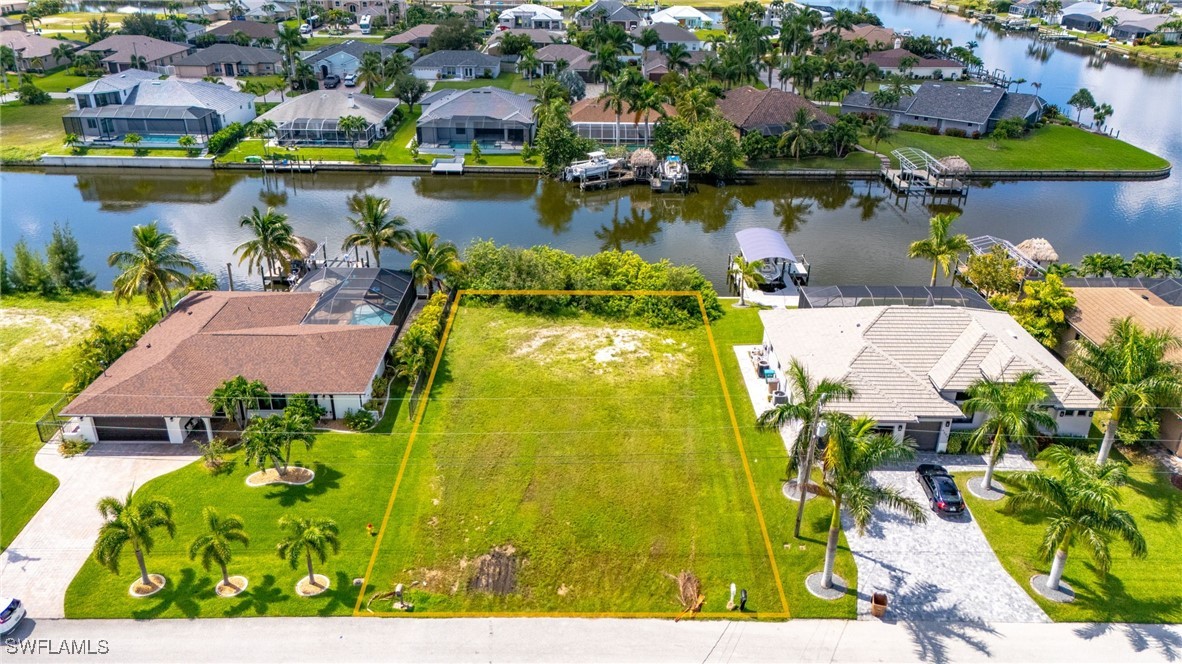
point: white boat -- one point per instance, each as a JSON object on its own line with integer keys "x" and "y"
{"x": 782, "y": 270}
{"x": 596, "y": 165}
{"x": 671, "y": 174}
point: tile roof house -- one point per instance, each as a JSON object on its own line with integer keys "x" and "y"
{"x": 7, "y": 24}
{"x": 669, "y": 33}
{"x": 416, "y": 36}
{"x": 256, "y": 30}
{"x": 117, "y": 52}
{"x": 1026, "y": 9}
{"x": 875, "y": 35}
{"x": 464, "y": 65}
{"x": 610, "y": 11}
{"x": 453, "y": 119}
{"x": 891, "y": 62}
{"x": 767, "y": 111}
{"x": 911, "y": 366}
{"x": 158, "y": 390}
{"x": 655, "y": 64}
{"x": 576, "y": 59}
{"x": 970, "y": 108}
{"x": 135, "y": 101}
{"x": 531, "y": 16}
{"x": 1154, "y": 304}
{"x": 313, "y": 118}
{"x": 229, "y": 60}
{"x": 590, "y": 118}
{"x": 32, "y": 51}
{"x": 344, "y": 58}
{"x": 537, "y": 38}
{"x": 682, "y": 15}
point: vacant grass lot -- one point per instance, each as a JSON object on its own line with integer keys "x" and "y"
{"x": 1052, "y": 148}
{"x": 852, "y": 161}
{"x": 27, "y": 132}
{"x": 36, "y": 353}
{"x": 353, "y": 477}
{"x": 61, "y": 80}
{"x": 602, "y": 457}
{"x": 1134, "y": 591}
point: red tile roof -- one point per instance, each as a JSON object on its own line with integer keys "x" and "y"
{"x": 891, "y": 58}
{"x": 590, "y": 110}
{"x": 748, "y": 108}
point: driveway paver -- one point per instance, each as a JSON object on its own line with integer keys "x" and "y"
{"x": 43, "y": 559}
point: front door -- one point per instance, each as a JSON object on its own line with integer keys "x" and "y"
{"x": 469, "y": 73}
{"x": 228, "y": 68}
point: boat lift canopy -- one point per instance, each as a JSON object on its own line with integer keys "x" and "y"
{"x": 757, "y": 244}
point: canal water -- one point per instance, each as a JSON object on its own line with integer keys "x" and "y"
{"x": 851, "y": 231}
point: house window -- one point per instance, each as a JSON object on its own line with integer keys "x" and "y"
{"x": 460, "y": 131}
{"x": 961, "y": 396}
{"x": 273, "y": 402}
{"x": 91, "y": 123}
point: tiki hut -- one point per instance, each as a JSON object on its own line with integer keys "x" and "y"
{"x": 955, "y": 165}
{"x": 307, "y": 246}
{"x": 642, "y": 161}
{"x": 1038, "y": 250}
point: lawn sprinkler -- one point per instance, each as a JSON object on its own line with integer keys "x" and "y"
{"x": 369, "y": 529}
{"x": 730, "y": 603}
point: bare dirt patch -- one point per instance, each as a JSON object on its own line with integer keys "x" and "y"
{"x": 294, "y": 475}
{"x": 44, "y": 332}
{"x": 139, "y": 589}
{"x": 600, "y": 350}
{"x": 496, "y": 571}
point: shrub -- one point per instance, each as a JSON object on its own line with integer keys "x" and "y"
{"x": 226, "y": 138}
{"x": 359, "y": 420}
{"x": 69, "y": 448}
{"x": 416, "y": 348}
{"x": 1010, "y": 128}
{"x": 213, "y": 454}
{"x": 31, "y": 95}
{"x": 956, "y": 133}
{"x": 958, "y": 442}
{"x": 304, "y": 406}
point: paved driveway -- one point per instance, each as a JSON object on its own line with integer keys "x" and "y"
{"x": 942, "y": 570}
{"x": 46, "y": 555}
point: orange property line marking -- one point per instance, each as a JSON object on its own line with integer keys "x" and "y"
{"x": 418, "y": 419}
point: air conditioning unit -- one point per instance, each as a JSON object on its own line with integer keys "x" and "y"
{"x": 779, "y": 397}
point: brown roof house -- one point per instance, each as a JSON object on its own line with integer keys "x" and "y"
{"x": 767, "y": 111}
{"x": 575, "y": 59}
{"x": 254, "y": 29}
{"x": 592, "y": 119}
{"x": 891, "y": 62}
{"x": 875, "y": 35}
{"x": 328, "y": 338}
{"x": 33, "y": 51}
{"x": 416, "y": 36}
{"x": 1154, "y": 304}
{"x": 118, "y": 51}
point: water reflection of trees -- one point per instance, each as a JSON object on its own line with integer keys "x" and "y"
{"x": 118, "y": 192}
{"x": 555, "y": 205}
{"x": 481, "y": 188}
{"x": 638, "y": 228}
{"x": 1040, "y": 51}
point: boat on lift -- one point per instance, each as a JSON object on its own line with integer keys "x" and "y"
{"x": 672, "y": 174}
{"x": 597, "y": 165}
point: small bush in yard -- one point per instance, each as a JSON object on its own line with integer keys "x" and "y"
{"x": 359, "y": 420}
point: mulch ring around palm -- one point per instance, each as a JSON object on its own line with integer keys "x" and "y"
{"x": 139, "y": 589}
{"x": 237, "y": 585}
{"x": 307, "y": 588}
{"x": 294, "y": 475}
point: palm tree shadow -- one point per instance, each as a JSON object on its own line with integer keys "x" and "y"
{"x": 182, "y": 594}
{"x": 1161, "y": 638}
{"x": 931, "y": 637}
{"x": 342, "y": 595}
{"x": 288, "y": 495}
{"x": 259, "y": 599}
{"x": 1167, "y": 502}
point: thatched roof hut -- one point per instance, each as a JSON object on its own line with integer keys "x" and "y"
{"x": 955, "y": 164}
{"x": 306, "y": 245}
{"x": 1039, "y": 250}
{"x": 642, "y": 158}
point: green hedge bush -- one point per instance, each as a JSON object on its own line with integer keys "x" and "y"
{"x": 226, "y": 138}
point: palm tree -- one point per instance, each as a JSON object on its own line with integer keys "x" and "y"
{"x": 152, "y": 267}
{"x": 369, "y": 73}
{"x": 131, "y": 522}
{"x": 614, "y": 98}
{"x": 273, "y": 245}
{"x": 133, "y": 139}
{"x": 529, "y": 63}
{"x": 214, "y": 545}
{"x": 353, "y": 126}
{"x": 747, "y": 274}
{"x": 374, "y": 227}
{"x": 62, "y": 52}
{"x": 803, "y": 408}
{"x": 236, "y": 396}
{"x": 433, "y": 260}
{"x": 677, "y": 56}
{"x": 1129, "y": 368}
{"x": 1012, "y": 415}
{"x": 878, "y": 129}
{"x": 186, "y": 141}
{"x": 646, "y": 99}
{"x": 1079, "y": 503}
{"x": 262, "y": 129}
{"x": 941, "y": 248}
{"x": 306, "y": 537}
{"x": 263, "y": 441}
{"x": 798, "y": 136}
{"x": 290, "y": 40}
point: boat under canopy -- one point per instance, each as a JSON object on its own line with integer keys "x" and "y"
{"x": 783, "y": 272}
{"x": 760, "y": 244}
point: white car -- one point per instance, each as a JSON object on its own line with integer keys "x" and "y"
{"x": 11, "y": 614}
{"x": 305, "y": 29}
{"x": 350, "y": 80}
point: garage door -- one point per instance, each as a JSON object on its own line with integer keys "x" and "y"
{"x": 131, "y": 428}
{"x": 925, "y": 434}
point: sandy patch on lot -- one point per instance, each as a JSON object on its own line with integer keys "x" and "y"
{"x": 600, "y": 350}
{"x": 41, "y": 331}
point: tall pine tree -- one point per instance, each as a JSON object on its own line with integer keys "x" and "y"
{"x": 65, "y": 261}
{"x": 28, "y": 272}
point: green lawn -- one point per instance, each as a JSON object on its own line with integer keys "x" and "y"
{"x": 124, "y": 152}
{"x": 1051, "y": 148}
{"x": 508, "y": 81}
{"x": 603, "y": 477}
{"x": 1135, "y": 591}
{"x": 36, "y": 354}
{"x": 319, "y": 42}
{"x": 61, "y": 81}
{"x": 27, "y": 132}
{"x": 852, "y": 161}
{"x": 354, "y": 473}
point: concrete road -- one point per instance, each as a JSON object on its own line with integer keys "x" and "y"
{"x": 43, "y": 559}
{"x": 573, "y": 640}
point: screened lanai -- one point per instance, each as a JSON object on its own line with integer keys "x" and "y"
{"x": 358, "y": 296}
{"x": 820, "y": 297}
{"x": 109, "y": 123}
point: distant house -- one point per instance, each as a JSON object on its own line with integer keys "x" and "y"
{"x": 33, "y": 52}
{"x": 911, "y": 366}
{"x": 135, "y": 101}
{"x": 1083, "y": 16}
{"x": 418, "y": 36}
{"x": 767, "y": 111}
{"x": 120, "y": 52}
{"x": 256, "y": 30}
{"x": 669, "y": 34}
{"x": 329, "y": 338}
{"x": 13, "y": 6}
{"x": 391, "y": 9}
{"x": 1154, "y": 304}
{"x": 891, "y": 62}
{"x": 314, "y": 118}
{"x": 537, "y": 38}
{"x": 344, "y": 58}
{"x": 592, "y": 119}
{"x": 875, "y": 35}
{"x": 974, "y": 109}
{"x": 655, "y": 64}
{"x": 229, "y": 60}
{"x": 537, "y": 17}
{"x": 464, "y": 65}
{"x": 611, "y": 12}
{"x": 576, "y": 59}
{"x": 1026, "y": 9}
{"x": 1139, "y": 26}
{"x": 452, "y": 119}
{"x": 687, "y": 17}
{"x": 7, "y": 24}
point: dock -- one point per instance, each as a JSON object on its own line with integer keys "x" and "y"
{"x": 448, "y": 166}
{"x": 613, "y": 179}
{"x": 287, "y": 166}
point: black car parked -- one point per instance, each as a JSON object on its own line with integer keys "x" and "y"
{"x": 943, "y": 496}
{"x": 331, "y": 81}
